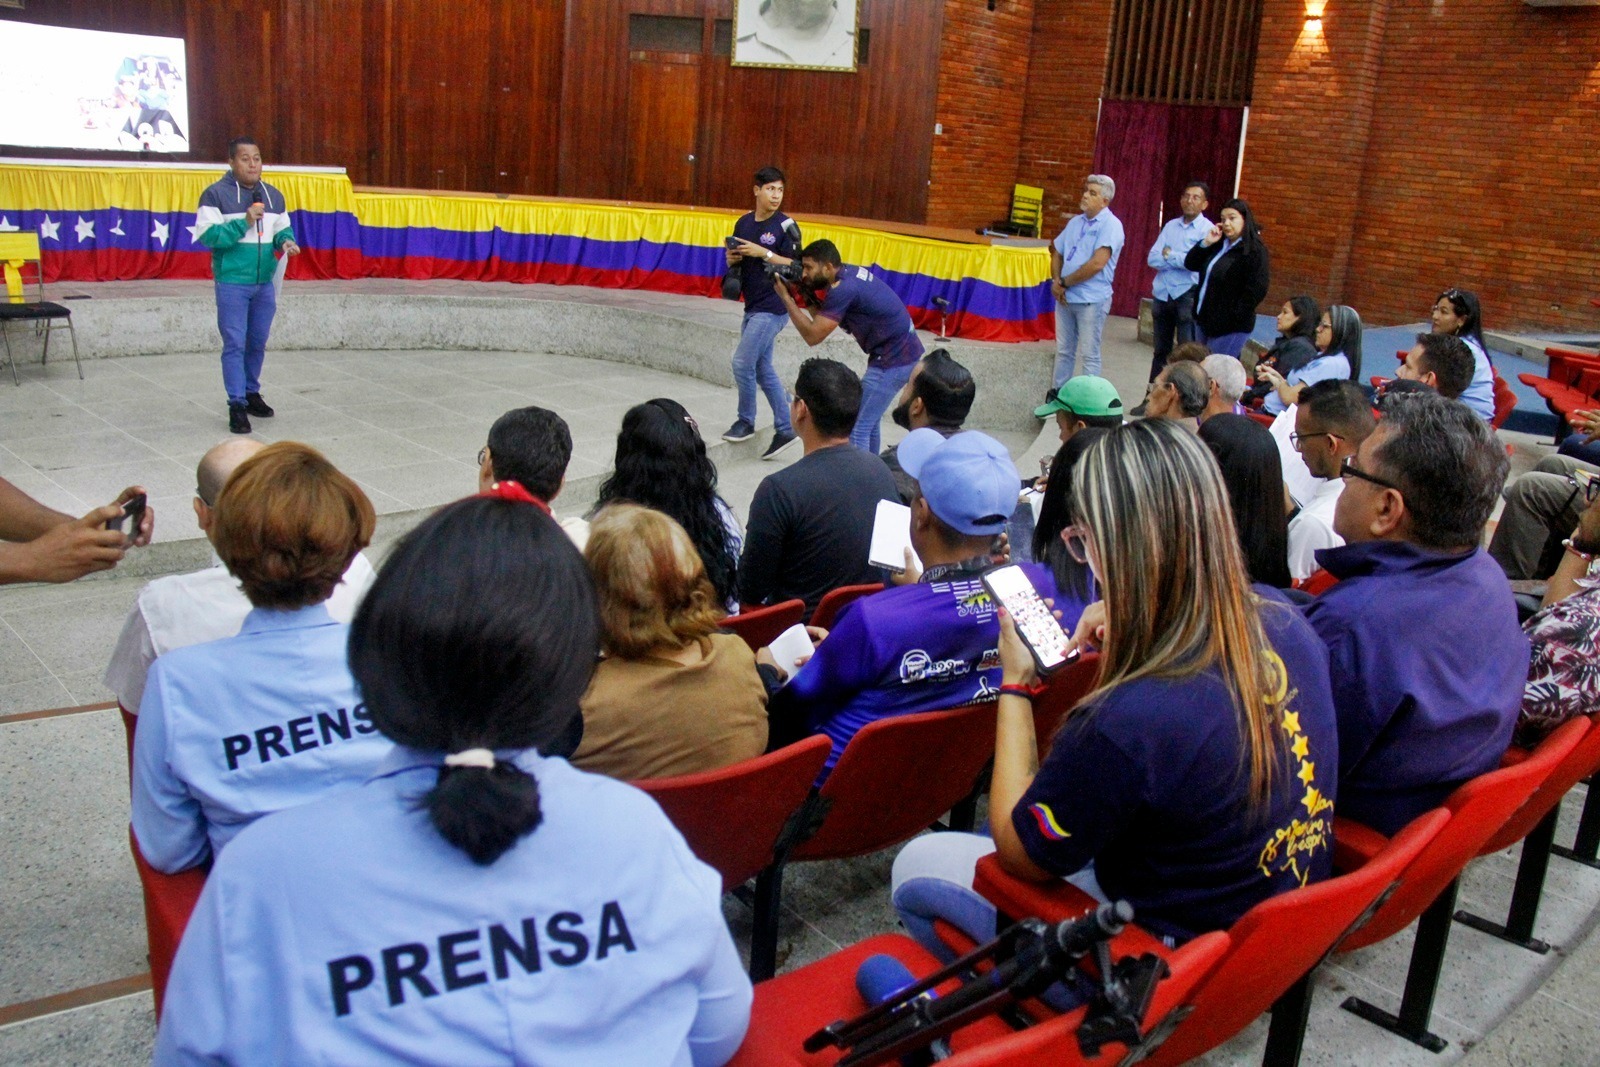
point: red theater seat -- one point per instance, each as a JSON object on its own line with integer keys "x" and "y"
{"x": 169, "y": 899}
{"x": 1061, "y": 693}
{"x": 834, "y": 602}
{"x": 761, "y": 626}
{"x": 1273, "y": 947}
{"x": 790, "y": 1008}
{"x": 732, "y": 816}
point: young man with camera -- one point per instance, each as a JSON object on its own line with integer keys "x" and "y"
{"x": 762, "y": 238}
{"x": 856, "y": 299}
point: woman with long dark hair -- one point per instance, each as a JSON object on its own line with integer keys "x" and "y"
{"x": 1338, "y": 357}
{"x": 478, "y": 899}
{"x": 1252, "y": 470}
{"x": 1458, "y": 313}
{"x": 661, "y": 463}
{"x": 1196, "y": 779}
{"x": 1235, "y": 272}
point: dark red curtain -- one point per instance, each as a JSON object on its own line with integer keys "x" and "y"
{"x": 1150, "y": 151}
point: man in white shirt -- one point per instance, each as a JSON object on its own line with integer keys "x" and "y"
{"x": 1331, "y": 420}
{"x": 189, "y": 609}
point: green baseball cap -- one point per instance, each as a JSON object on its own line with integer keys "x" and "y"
{"x": 1085, "y": 394}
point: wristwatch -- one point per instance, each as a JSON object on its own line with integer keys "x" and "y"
{"x": 769, "y": 253}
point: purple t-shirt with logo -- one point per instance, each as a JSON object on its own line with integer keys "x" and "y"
{"x": 923, "y": 647}
{"x": 868, "y": 310}
{"x": 779, "y": 233}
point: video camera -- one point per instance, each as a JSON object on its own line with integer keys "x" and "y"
{"x": 789, "y": 272}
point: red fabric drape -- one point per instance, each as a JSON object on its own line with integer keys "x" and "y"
{"x": 1150, "y": 150}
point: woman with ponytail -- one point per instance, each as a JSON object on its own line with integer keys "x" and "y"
{"x": 478, "y": 900}
{"x": 1197, "y": 778}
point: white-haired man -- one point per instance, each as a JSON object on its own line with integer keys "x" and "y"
{"x": 1227, "y": 379}
{"x": 1083, "y": 260}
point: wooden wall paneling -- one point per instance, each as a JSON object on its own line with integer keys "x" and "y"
{"x": 526, "y": 75}
{"x": 662, "y": 149}
{"x": 378, "y": 97}
{"x": 594, "y": 90}
{"x": 318, "y": 73}
{"x": 230, "y": 93}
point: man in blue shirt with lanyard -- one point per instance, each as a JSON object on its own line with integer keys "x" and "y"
{"x": 873, "y": 314}
{"x": 1173, "y": 310}
{"x": 765, "y": 235}
{"x": 1083, "y": 260}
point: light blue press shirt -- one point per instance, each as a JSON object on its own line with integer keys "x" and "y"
{"x": 1321, "y": 369}
{"x": 1479, "y": 396}
{"x": 1173, "y": 279}
{"x": 1078, "y": 242}
{"x": 348, "y": 931}
{"x": 231, "y": 730}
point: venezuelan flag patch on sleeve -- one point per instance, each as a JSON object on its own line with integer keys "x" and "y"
{"x": 1047, "y": 822}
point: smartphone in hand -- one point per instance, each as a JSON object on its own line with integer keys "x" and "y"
{"x": 1036, "y": 623}
{"x": 132, "y": 516}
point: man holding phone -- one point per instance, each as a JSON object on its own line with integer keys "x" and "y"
{"x": 763, "y": 236}
{"x": 40, "y": 544}
{"x": 245, "y": 223}
{"x": 933, "y": 644}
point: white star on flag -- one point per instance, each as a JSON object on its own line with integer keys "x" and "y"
{"x": 85, "y": 229}
{"x": 50, "y": 230}
{"x": 117, "y": 229}
{"x": 160, "y": 233}
{"x": 194, "y": 233}
{"x": 6, "y": 225}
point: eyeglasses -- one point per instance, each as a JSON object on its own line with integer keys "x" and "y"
{"x": 198, "y": 495}
{"x": 1076, "y": 538}
{"x": 483, "y": 454}
{"x": 1348, "y": 469}
{"x": 1590, "y": 488}
{"x": 1296, "y": 438}
{"x": 1325, "y": 326}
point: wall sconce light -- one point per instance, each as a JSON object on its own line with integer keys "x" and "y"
{"x": 1314, "y": 10}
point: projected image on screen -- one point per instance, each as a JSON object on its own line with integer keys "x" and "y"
{"x": 89, "y": 89}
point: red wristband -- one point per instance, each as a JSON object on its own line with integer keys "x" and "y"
{"x": 1028, "y": 693}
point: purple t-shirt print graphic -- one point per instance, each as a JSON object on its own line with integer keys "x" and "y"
{"x": 868, "y": 310}
{"x": 782, "y": 236}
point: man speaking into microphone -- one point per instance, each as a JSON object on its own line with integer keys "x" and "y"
{"x": 245, "y": 223}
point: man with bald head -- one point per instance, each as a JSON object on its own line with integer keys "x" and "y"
{"x": 207, "y": 605}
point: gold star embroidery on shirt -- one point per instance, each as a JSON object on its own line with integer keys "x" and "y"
{"x": 1308, "y": 771}
{"x": 1291, "y": 722}
{"x": 1300, "y": 747}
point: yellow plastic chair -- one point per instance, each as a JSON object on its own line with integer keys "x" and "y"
{"x": 17, "y": 252}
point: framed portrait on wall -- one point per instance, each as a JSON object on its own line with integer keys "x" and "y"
{"x": 795, "y": 34}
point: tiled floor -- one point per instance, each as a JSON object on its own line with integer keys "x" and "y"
{"x": 407, "y": 425}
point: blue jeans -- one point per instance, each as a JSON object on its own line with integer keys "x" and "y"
{"x": 752, "y": 364}
{"x": 244, "y": 318}
{"x": 932, "y": 880}
{"x": 879, "y": 387}
{"x": 1078, "y": 329}
{"x": 1575, "y": 447}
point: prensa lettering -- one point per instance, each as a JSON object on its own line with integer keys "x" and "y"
{"x": 283, "y": 740}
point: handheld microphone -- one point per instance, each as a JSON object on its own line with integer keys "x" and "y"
{"x": 256, "y": 198}
{"x": 880, "y": 978}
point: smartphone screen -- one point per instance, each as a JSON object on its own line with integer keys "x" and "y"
{"x": 1038, "y": 627}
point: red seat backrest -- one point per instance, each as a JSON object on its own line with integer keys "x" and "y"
{"x": 1320, "y": 581}
{"x": 1262, "y": 417}
{"x": 1505, "y": 402}
{"x": 834, "y": 602}
{"x": 169, "y": 900}
{"x": 1582, "y": 761}
{"x": 760, "y": 626}
{"x": 1479, "y": 809}
{"x": 897, "y": 776}
{"x": 732, "y": 816}
{"x": 1281, "y": 939}
{"x": 1062, "y": 692}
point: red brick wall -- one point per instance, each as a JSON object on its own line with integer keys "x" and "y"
{"x": 1476, "y": 168}
{"x": 983, "y": 79}
{"x": 1066, "y": 71}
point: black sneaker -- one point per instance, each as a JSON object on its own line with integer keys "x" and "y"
{"x": 780, "y": 441}
{"x": 238, "y": 419}
{"x": 739, "y": 431}
{"x": 256, "y": 406}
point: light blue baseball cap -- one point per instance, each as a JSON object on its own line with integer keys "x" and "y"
{"x": 968, "y": 478}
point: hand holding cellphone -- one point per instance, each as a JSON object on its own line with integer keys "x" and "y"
{"x": 132, "y": 516}
{"x": 733, "y": 243}
{"x": 1036, "y": 623}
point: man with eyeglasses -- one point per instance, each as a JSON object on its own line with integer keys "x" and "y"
{"x": 207, "y": 605}
{"x": 1426, "y": 657}
{"x": 532, "y": 447}
{"x": 1541, "y": 508}
{"x": 1330, "y": 422}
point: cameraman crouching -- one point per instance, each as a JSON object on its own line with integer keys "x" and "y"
{"x": 870, "y": 312}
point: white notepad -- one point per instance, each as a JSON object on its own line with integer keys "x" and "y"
{"x": 891, "y": 536}
{"x": 794, "y": 643}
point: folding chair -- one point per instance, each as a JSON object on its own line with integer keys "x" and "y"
{"x": 1505, "y": 402}
{"x": 733, "y": 817}
{"x": 790, "y": 1008}
{"x": 831, "y": 605}
{"x": 1535, "y": 826}
{"x": 1273, "y": 948}
{"x": 169, "y": 900}
{"x": 18, "y": 251}
{"x": 760, "y": 626}
{"x": 897, "y": 776}
{"x": 1480, "y": 809}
